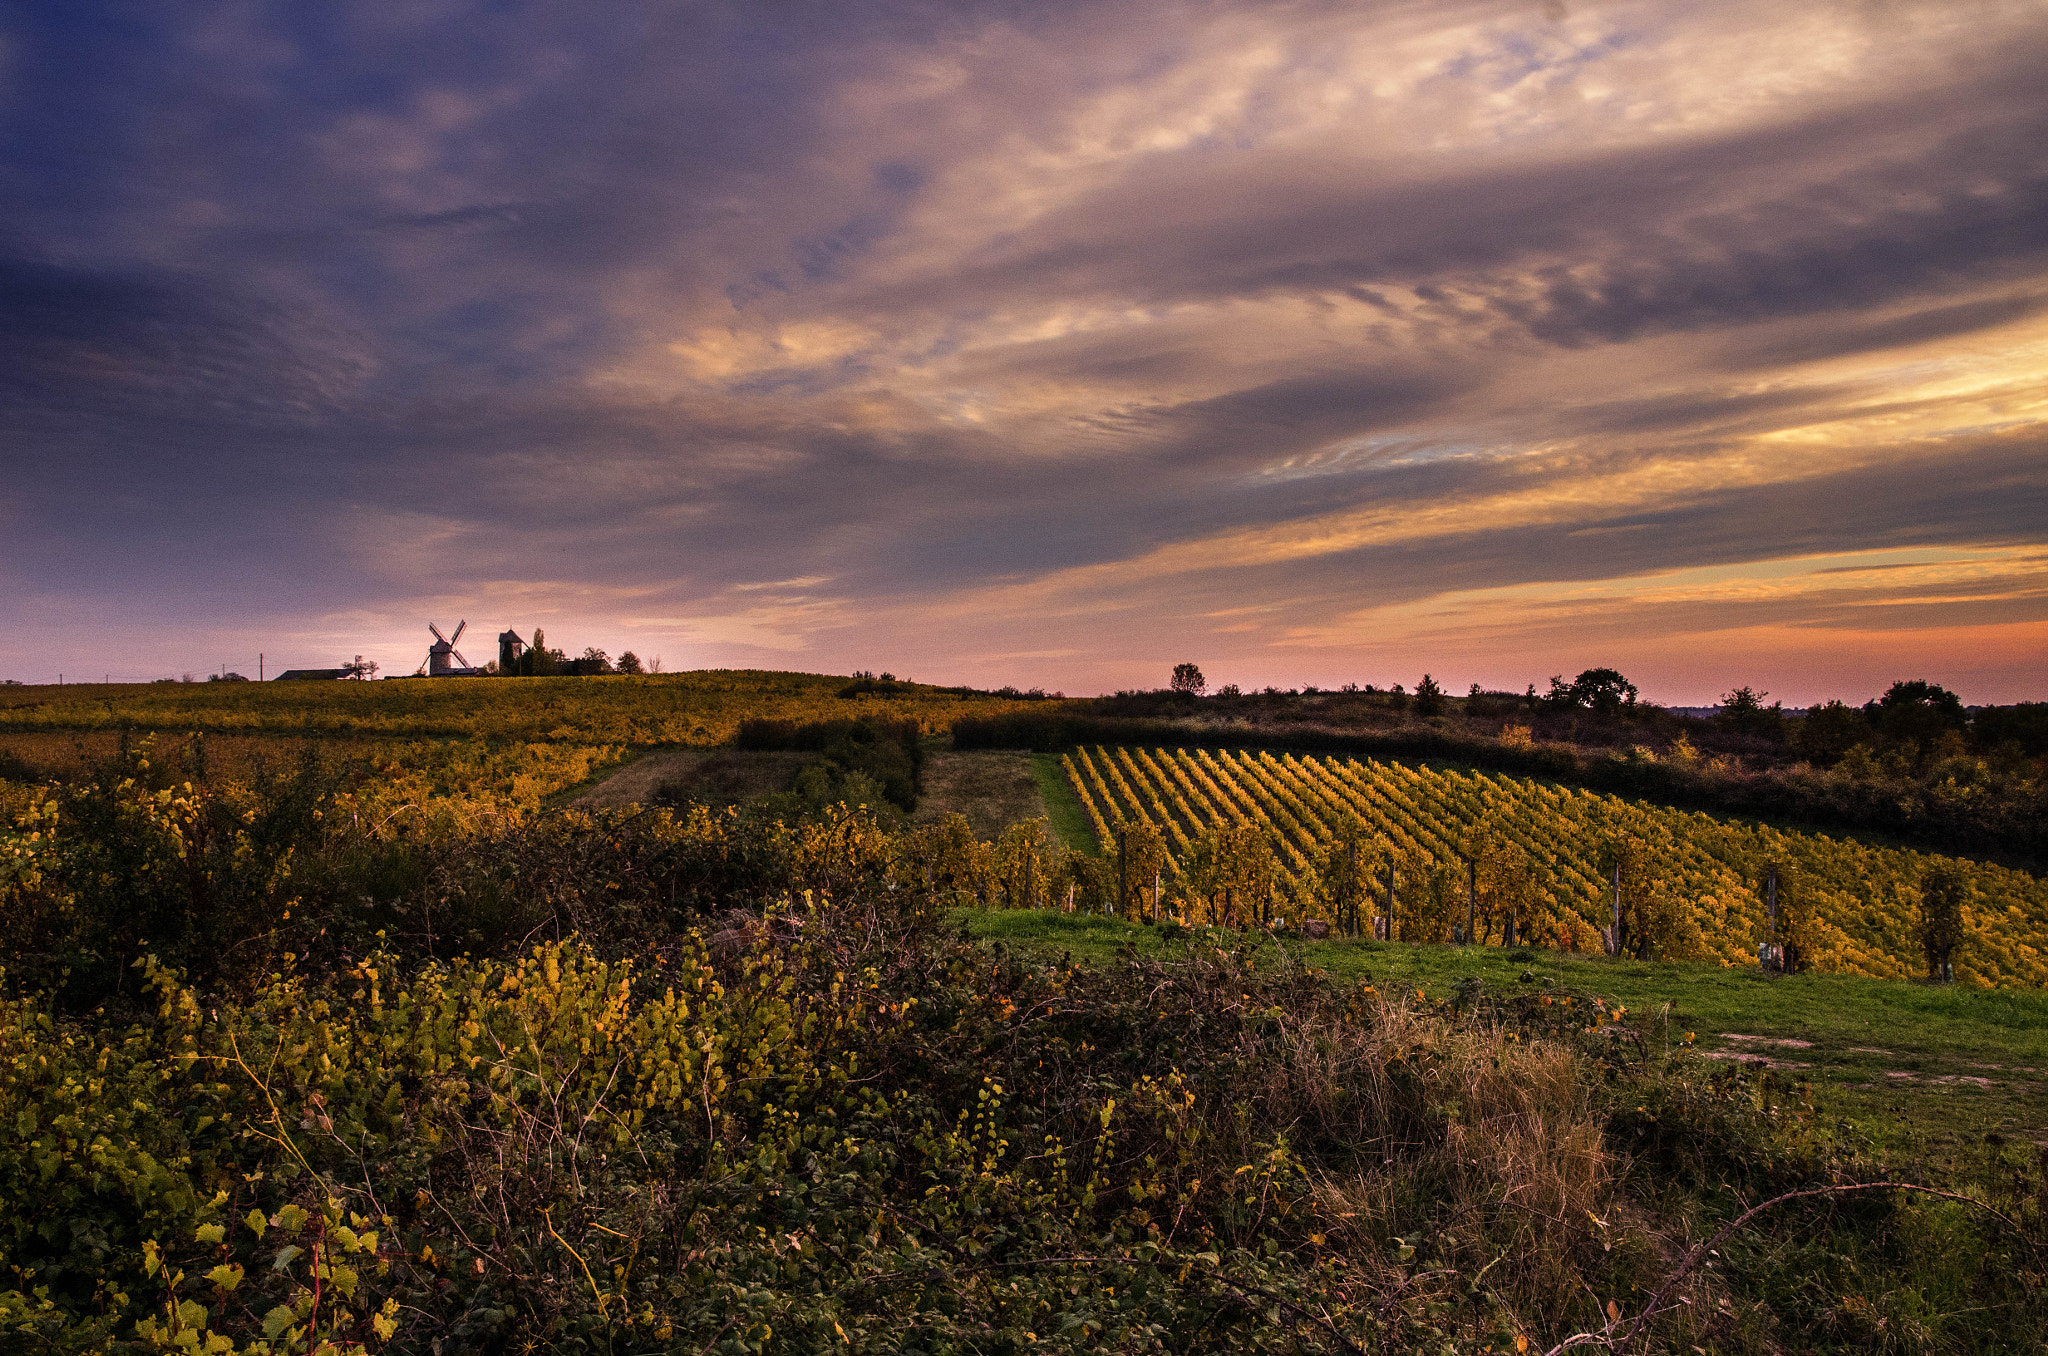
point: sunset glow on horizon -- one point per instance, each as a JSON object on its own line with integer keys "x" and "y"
{"x": 1043, "y": 345}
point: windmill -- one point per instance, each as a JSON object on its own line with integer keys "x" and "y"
{"x": 439, "y": 653}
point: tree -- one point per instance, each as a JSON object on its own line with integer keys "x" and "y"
{"x": 1916, "y": 712}
{"x": 1943, "y": 891}
{"x": 1827, "y": 732}
{"x": 1744, "y": 712}
{"x": 1429, "y": 698}
{"x": 359, "y": 668}
{"x": 630, "y": 663}
{"x": 594, "y": 660}
{"x": 540, "y": 661}
{"x": 2024, "y": 726}
{"x": 1603, "y": 691}
{"x": 1188, "y": 679}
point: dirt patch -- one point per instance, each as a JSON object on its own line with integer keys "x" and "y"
{"x": 1940, "y": 1080}
{"x": 993, "y": 790}
{"x": 634, "y": 783}
{"x": 1750, "y": 1057}
{"x": 723, "y": 776}
{"x": 1784, "y": 1042}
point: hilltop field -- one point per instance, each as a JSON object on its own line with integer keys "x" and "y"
{"x": 699, "y": 710}
{"x": 731, "y": 1012}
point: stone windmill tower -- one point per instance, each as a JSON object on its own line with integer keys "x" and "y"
{"x": 443, "y": 659}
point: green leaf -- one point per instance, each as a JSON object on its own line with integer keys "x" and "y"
{"x": 256, "y": 1222}
{"x": 209, "y": 1233}
{"x": 285, "y": 1256}
{"x": 227, "y": 1275}
{"x": 277, "y": 1320}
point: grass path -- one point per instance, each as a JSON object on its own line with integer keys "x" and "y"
{"x": 1062, "y": 807}
{"x": 1918, "y": 1071}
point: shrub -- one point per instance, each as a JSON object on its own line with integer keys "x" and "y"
{"x": 1943, "y": 891}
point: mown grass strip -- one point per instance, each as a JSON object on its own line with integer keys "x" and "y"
{"x": 1069, "y": 820}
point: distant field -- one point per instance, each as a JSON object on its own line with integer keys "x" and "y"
{"x": 702, "y": 709}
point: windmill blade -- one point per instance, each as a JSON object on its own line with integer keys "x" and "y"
{"x": 460, "y": 627}
{"x": 437, "y": 632}
{"x": 460, "y": 662}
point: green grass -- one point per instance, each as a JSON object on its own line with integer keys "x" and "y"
{"x": 1891, "y": 1059}
{"x": 1069, "y": 820}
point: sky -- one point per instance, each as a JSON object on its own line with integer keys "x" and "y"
{"x": 1045, "y": 344}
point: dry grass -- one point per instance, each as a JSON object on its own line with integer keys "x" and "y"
{"x": 1487, "y": 1148}
{"x": 991, "y": 790}
{"x": 724, "y": 776}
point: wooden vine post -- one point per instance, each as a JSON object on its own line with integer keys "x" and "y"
{"x": 1349, "y": 919}
{"x": 1614, "y": 934}
{"x": 1471, "y": 899}
{"x": 1774, "y": 945}
{"x": 1390, "y": 897}
{"x": 1123, "y": 868}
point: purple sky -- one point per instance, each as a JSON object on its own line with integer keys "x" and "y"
{"x": 1039, "y": 343}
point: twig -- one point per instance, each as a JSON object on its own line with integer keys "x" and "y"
{"x": 547, "y": 1216}
{"x": 1636, "y": 1325}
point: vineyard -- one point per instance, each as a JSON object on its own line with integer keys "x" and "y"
{"x": 700, "y": 708}
{"x": 1283, "y": 838}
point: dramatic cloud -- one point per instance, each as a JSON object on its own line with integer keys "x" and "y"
{"x": 1047, "y": 344}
